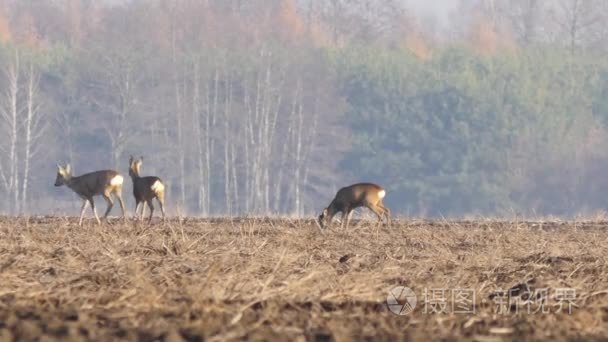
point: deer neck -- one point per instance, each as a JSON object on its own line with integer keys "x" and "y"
{"x": 70, "y": 183}
{"x": 332, "y": 210}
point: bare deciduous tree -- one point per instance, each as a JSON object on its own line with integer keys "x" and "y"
{"x": 23, "y": 128}
{"x": 10, "y": 116}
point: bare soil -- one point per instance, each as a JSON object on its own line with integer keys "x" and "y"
{"x": 281, "y": 279}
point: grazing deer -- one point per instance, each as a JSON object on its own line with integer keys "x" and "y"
{"x": 105, "y": 183}
{"x": 357, "y": 195}
{"x": 145, "y": 189}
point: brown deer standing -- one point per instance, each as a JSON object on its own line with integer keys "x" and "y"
{"x": 145, "y": 189}
{"x": 357, "y": 195}
{"x": 105, "y": 183}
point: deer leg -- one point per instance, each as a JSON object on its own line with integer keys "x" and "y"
{"x": 143, "y": 210}
{"x": 151, "y": 209}
{"x": 161, "y": 203}
{"x": 94, "y": 211}
{"x": 387, "y": 213}
{"x": 136, "y": 209}
{"x": 348, "y": 217}
{"x": 108, "y": 199}
{"x": 344, "y": 222}
{"x": 84, "y": 207}
{"x": 378, "y": 211}
{"x": 118, "y": 195}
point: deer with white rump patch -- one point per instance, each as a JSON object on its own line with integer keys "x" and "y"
{"x": 104, "y": 183}
{"x": 357, "y": 195}
{"x": 145, "y": 189}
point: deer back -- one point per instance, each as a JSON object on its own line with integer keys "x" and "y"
{"x": 96, "y": 183}
{"x": 145, "y": 188}
{"x": 358, "y": 195}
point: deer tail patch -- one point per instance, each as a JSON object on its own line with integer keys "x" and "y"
{"x": 381, "y": 194}
{"x": 116, "y": 180}
{"x": 157, "y": 186}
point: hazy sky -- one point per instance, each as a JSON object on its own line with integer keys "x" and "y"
{"x": 437, "y": 8}
{"x": 432, "y": 6}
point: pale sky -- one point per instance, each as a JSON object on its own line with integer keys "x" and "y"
{"x": 436, "y": 10}
{"x": 432, "y": 6}
{"x": 440, "y": 8}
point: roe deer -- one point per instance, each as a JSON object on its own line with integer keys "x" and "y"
{"x": 357, "y": 195}
{"x": 145, "y": 189}
{"x": 105, "y": 183}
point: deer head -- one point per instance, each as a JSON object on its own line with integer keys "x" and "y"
{"x": 324, "y": 217}
{"x": 64, "y": 174}
{"x": 135, "y": 166}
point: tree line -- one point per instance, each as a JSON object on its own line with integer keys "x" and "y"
{"x": 268, "y": 107}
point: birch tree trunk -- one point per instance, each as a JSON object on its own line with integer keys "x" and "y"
{"x": 298, "y": 160}
{"x": 283, "y": 161}
{"x": 178, "y": 114}
{"x": 10, "y": 115}
{"x": 198, "y": 131}
{"x": 32, "y": 130}
{"x": 227, "y": 142}
{"x": 247, "y": 152}
{"x": 306, "y": 150}
{"x": 235, "y": 184}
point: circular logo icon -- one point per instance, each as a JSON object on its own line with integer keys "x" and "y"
{"x": 401, "y": 300}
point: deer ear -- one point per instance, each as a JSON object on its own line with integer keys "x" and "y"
{"x": 131, "y": 160}
{"x": 59, "y": 168}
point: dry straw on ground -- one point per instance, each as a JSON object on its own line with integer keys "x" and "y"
{"x": 284, "y": 279}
